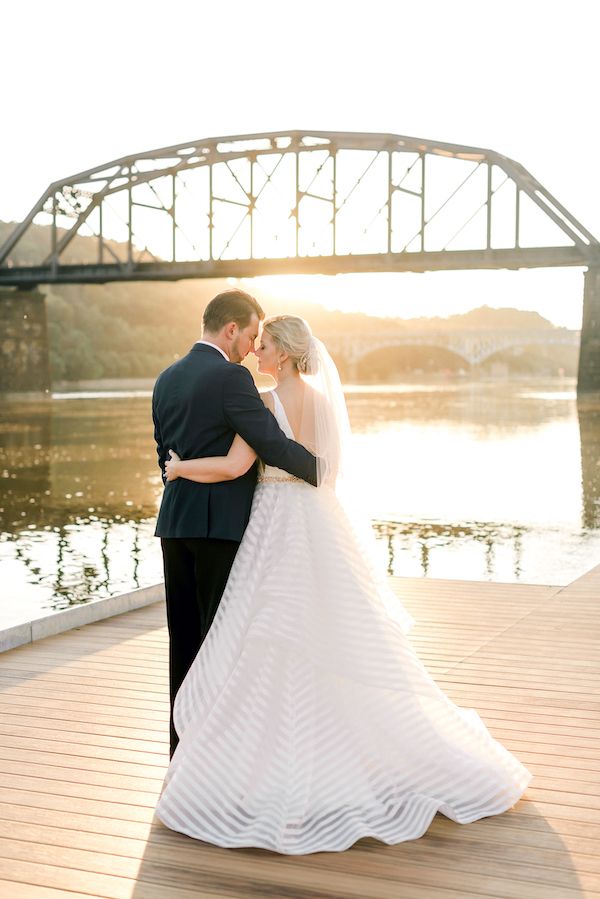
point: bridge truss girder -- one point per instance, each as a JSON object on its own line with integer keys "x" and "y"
{"x": 294, "y": 202}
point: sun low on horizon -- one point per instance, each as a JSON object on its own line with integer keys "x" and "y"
{"x": 556, "y": 295}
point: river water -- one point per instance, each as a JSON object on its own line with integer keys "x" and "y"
{"x": 471, "y": 480}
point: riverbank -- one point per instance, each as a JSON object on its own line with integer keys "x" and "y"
{"x": 128, "y": 384}
{"x": 104, "y": 384}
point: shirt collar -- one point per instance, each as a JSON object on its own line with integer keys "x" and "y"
{"x": 222, "y": 352}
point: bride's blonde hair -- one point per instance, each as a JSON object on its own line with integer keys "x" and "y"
{"x": 293, "y": 335}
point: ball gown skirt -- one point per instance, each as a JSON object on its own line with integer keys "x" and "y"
{"x": 306, "y": 720}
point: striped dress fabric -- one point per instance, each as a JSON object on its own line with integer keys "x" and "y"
{"x": 306, "y": 720}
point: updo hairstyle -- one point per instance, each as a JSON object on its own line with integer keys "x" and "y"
{"x": 293, "y": 335}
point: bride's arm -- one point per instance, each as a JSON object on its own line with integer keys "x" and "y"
{"x": 213, "y": 468}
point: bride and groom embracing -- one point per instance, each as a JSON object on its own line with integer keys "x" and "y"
{"x": 301, "y": 717}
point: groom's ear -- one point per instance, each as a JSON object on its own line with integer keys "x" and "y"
{"x": 230, "y": 330}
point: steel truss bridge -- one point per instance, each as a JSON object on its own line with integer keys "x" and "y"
{"x": 302, "y": 202}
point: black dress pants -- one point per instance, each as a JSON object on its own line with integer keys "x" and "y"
{"x": 196, "y": 572}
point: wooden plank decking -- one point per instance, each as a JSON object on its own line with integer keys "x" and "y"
{"x": 83, "y": 750}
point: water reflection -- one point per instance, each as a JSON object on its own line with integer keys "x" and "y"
{"x": 478, "y": 481}
{"x": 494, "y": 408}
{"x": 430, "y": 537}
{"x": 67, "y": 462}
{"x": 77, "y": 502}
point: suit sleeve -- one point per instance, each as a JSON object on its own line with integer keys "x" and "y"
{"x": 160, "y": 449}
{"x": 248, "y": 416}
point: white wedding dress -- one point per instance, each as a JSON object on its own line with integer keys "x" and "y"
{"x": 306, "y": 720}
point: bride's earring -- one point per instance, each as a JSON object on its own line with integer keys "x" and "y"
{"x": 279, "y": 367}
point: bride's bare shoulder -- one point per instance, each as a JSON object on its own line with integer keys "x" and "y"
{"x": 267, "y": 398}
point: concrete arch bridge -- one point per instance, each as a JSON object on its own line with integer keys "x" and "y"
{"x": 472, "y": 346}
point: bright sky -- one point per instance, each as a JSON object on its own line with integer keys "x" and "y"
{"x": 85, "y": 83}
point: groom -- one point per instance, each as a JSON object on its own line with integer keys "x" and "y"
{"x": 198, "y": 405}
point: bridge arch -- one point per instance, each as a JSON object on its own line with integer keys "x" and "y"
{"x": 405, "y": 356}
{"x": 296, "y": 202}
{"x": 474, "y": 347}
{"x": 303, "y": 202}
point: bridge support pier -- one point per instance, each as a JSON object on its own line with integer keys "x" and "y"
{"x": 589, "y": 431}
{"x": 352, "y": 371}
{"x": 24, "y": 366}
{"x": 588, "y": 381}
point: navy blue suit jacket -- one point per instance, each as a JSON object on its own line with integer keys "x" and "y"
{"x": 199, "y": 404}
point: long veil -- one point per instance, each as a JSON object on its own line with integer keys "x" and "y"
{"x": 326, "y": 431}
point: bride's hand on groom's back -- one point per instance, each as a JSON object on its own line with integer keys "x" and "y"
{"x": 171, "y": 466}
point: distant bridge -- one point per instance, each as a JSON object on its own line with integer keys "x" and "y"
{"x": 472, "y": 346}
{"x": 300, "y": 202}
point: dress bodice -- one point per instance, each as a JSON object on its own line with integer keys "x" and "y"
{"x": 271, "y": 474}
{"x": 282, "y": 419}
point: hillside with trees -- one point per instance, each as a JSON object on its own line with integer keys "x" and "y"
{"x": 134, "y": 330}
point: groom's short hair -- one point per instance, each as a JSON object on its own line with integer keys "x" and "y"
{"x": 230, "y": 306}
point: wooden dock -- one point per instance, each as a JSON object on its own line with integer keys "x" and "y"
{"x": 83, "y": 751}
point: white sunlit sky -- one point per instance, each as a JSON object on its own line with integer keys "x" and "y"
{"x": 88, "y": 83}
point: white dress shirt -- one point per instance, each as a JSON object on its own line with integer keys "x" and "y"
{"x": 214, "y": 345}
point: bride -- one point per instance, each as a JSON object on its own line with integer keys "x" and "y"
{"x": 306, "y": 720}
